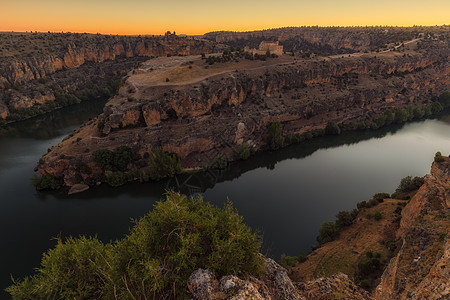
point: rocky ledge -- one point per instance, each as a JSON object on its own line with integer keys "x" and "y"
{"x": 420, "y": 270}
{"x": 208, "y": 113}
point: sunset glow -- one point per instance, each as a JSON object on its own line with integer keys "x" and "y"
{"x": 200, "y": 16}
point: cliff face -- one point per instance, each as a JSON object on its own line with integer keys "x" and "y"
{"x": 274, "y": 284}
{"x": 325, "y": 41}
{"x": 74, "y": 52}
{"x": 421, "y": 268}
{"x": 202, "y": 114}
{"x": 44, "y": 64}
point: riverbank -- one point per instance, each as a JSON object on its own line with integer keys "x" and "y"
{"x": 205, "y": 115}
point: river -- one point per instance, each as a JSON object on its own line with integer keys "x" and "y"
{"x": 286, "y": 195}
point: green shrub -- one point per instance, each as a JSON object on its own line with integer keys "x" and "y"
{"x": 327, "y": 232}
{"x": 361, "y": 204}
{"x": 46, "y": 182}
{"x": 380, "y": 197}
{"x": 162, "y": 164}
{"x": 220, "y": 163}
{"x": 83, "y": 168}
{"x": 117, "y": 178}
{"x": 73, "y": 269}
{"x": 275, "y": 136}
{"x": 332, "y": 129}
{"x": 377, "y": 216}
{"x": 438, "y": 157}
{"x": 436, "y": 108}
{"x": 290, "y": 261}
{"x": 154, "y": 261}
{"x": 118, "y": 160}
{"x": 444, "y": 99}
{"x": 344, "y": 219}
{"x": 244, "y": 151}
{"x": 104, "y": 159}
{"x": 408, "y": 184}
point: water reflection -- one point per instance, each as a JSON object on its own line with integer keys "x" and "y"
{"x": 49, "y": 125}
{"x": 199, "y": 182}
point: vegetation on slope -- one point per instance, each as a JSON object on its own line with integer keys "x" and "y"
{"x": 155, "y": 259}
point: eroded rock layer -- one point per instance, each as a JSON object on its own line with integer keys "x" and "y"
{"x": 203, "y": 114}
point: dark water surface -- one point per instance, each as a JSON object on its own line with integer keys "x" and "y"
{"x": 286, "y": 194}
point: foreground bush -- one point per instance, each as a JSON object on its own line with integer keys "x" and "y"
{"x": 154, "y": 261}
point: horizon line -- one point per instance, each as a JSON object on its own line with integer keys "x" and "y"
{"x": 225, "y": 30}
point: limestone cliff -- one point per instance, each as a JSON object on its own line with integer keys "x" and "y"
{"x": 274, "y": 284}
{"x": 41, "y": 65}
{"x": 421, "y": 269}
{"x": 323, "y": 40}
{"x": 202, "y": 113}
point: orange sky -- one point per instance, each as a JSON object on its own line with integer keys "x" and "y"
{"x": 200, "y": 16}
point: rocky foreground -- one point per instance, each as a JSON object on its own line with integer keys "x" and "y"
{"x": 205, "y": 113}
{"x": 420, "y": 270}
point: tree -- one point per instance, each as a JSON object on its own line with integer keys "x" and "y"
{"x": 162, "y": 164}
{"x": 343, "y": 219}
{"x": 275, "y": 136}
{"x": 332, "y": 129}
{"x": 327, "y": 232}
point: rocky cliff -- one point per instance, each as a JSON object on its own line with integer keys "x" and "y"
{"x": 421, "y": 269}
{"x": 274, "y": 284}
{"x": 326, "y": 41}
{"x": 29, "y": 62}
{"x": 206, "y": 113}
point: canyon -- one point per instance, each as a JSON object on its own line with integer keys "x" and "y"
{"x": 419, "y": 269}
{"x": 208, "y": 112}
{"x": 36, "y": 67}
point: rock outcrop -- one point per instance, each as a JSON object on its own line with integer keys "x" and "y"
{"x": 202, "y": 114}
{"x": 273, "y": 284}
{"x": 325, "y": 41}
{"x": 42, "y": 65}
{"x": 421, "y": 269}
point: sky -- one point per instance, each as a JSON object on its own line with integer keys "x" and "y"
{"x": 201, "y": 16}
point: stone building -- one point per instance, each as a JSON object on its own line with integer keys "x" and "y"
{"x": 272, "y": 47}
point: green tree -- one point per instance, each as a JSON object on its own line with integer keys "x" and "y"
{"x": 332, "y": 129}
{"x": 327, "y": 232}
{"x": 275, "y": 136}
{"x": 344, "y": 219}
{"x": 162, "y": 164}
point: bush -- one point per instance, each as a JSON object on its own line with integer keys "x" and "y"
{"x": 104, "y": 159}
{"x": 327, "y": 232}
{"x": 83, "y": 168}
{"x": 438, "y": 157}
{"x": 444, "y": 99}
{"x": 46, "y": 182}
{"x": 73, "y": 269}
{"x": 290, "y": 261}
{"x": 344, "y": 219}
{"x": 380, "y": 197}
{"x": 118, "y": 160}
{"x": 117, "y": 178}
{"x": 408, "y": 184}
{"x": 154, "y": 261}
{"x": 332, "y": 129}
{"x": 244, "y": 151}
{"x": 275, "y": 136}
{"x": 377, "y": 216}
{"x": 162, "y": 164}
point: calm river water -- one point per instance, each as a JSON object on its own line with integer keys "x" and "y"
{"x": 286, "y": 194}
